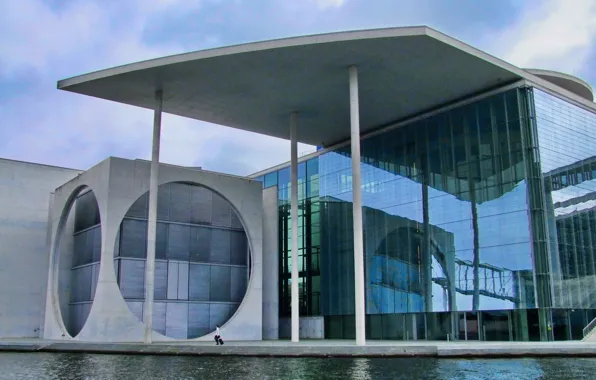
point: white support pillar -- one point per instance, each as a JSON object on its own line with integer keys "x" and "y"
{"x": 152, "y": 220}
{"x": 357, "y": 208}
{"x": 294, "y": 218}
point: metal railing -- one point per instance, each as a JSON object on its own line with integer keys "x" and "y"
{"x": 588, "y": 329}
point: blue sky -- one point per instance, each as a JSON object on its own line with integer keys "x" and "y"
{"x": 44, "y": 41}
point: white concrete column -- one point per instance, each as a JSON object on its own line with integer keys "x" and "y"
{"x": 152, "y": 220}
{"x": 357, "y": 208}
{"x": 294, "y": 218}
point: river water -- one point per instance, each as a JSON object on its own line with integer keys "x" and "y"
{"x": 83, "y": 366}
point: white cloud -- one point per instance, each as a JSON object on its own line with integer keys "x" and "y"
{"x": 32, "y": 33}
{"x": 77, "y": 131}
{"x": 325, "y": 4}
{"x": 557, "y": 35}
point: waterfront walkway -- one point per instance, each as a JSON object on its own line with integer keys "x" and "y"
{"x": 314, "y": 348}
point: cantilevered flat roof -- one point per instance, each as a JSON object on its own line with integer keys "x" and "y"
{"x": 569, "y": 82}
{"x": 402, "y": 72}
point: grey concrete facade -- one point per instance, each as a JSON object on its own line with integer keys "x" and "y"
{"x": 25, "y": 191}
{"x": 117, "y": 184}
{"x": 270, "y": 264}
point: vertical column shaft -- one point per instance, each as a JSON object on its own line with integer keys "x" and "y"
{"x": 152, "y": 220}
{"x": 294, "y": 217}
{"x": 357, "y": 208}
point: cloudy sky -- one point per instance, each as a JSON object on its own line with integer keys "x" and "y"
{"x": 42, "y": 41}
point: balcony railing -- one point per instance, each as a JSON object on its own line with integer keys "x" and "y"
{"x": 588, "y": 329}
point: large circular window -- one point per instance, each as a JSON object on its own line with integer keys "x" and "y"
{"x": 79, "y": 257}
{"x": 202, "y": 260}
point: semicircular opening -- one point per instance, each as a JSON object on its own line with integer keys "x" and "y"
{"x": 202, "y": 264}
{"x": 78, "y": 260}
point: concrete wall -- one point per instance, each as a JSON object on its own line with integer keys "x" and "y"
{"x": 117, "y": 184}
{"x": 270, "y": 264}
{"x": 25, "y": 190}
{"x": 310, "y": 328}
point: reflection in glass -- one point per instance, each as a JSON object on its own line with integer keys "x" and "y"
{"x": 473, "y": 218}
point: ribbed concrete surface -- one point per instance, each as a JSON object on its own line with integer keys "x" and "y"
{"x": 325, "y": 348}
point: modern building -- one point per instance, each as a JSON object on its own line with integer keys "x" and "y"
{"x": 452, "y": 196}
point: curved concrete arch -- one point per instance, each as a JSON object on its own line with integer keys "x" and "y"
{"x": 223, "y": 195}
{"x": 105, "y": 302}
{"x": 55, "y": 258}
{"x": 117, "y": 184}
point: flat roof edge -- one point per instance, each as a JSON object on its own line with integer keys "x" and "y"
{"x": 312, "y": 39}
{"x": 40, "y": 164}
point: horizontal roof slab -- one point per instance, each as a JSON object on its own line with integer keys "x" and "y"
{"x": 254, "y": 87}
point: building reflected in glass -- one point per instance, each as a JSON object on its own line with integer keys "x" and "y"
{"x": 479, "y": 223}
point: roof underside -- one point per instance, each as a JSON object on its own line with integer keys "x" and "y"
{"x": 254, "y": 87}
{"x": 566, "y": 81}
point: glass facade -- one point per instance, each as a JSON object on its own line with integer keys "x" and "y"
{"x": 85, "y": 260}
{"x": 567, "y": 140}
{"x": 477, "y": 225}
{"x": 202, "y": 260}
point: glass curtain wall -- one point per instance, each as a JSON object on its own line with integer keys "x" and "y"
{"x": 567, "y": 141}
{"x": 446, "y": 221}
{"x": 309, "y": 236}
{"x": 476, "y": 224}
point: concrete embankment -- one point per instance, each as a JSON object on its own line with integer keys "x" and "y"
{"x": 315, "y": 348}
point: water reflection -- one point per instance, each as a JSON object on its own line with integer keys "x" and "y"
{"x": 79, "y": 366}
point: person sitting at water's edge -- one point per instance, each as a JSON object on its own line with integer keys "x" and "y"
{"x": 218, "y": 340}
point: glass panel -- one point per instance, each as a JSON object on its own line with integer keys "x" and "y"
{"x": 495, "y": 325}
{"x": 172, "y": 280}
{"x": 132, "y": 279}
{"x": 178, "y": 242}
{"x": 198, "y": 320}
{"x": 161, "y": 246}
{"x": 239, "y": 248}
{"x": 133, "y": 238}
{"x": 86, "y": 211}
{"x": 183, "y": 281}
{"x": 283, "y": 178}
{"x": 238, "y": 283}
{"x": 200, "y": 244}
{"x": 201, "y": 205}
{"x": 218, "y": 314}
{"x": 561, "y": 325}
{"x": 220, "y": 247}
{"x": 161, "y": 280}
{"x": 177, "y": 320}
{"x": 159, "y": 317}
{"x": 199, "y": 282}
{"x": 221, "y": 213}
{"x": 163, "y": 202}
{"x": 96, "y": 244}
{"x": 220, "y": 284}
{"x": 270, "y": 180}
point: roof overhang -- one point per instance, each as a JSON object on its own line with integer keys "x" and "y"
{"x": 402, "y": 72}
{"x": 569, "y": 82}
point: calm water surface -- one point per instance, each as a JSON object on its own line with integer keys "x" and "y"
{"x": 82, "y": 366}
